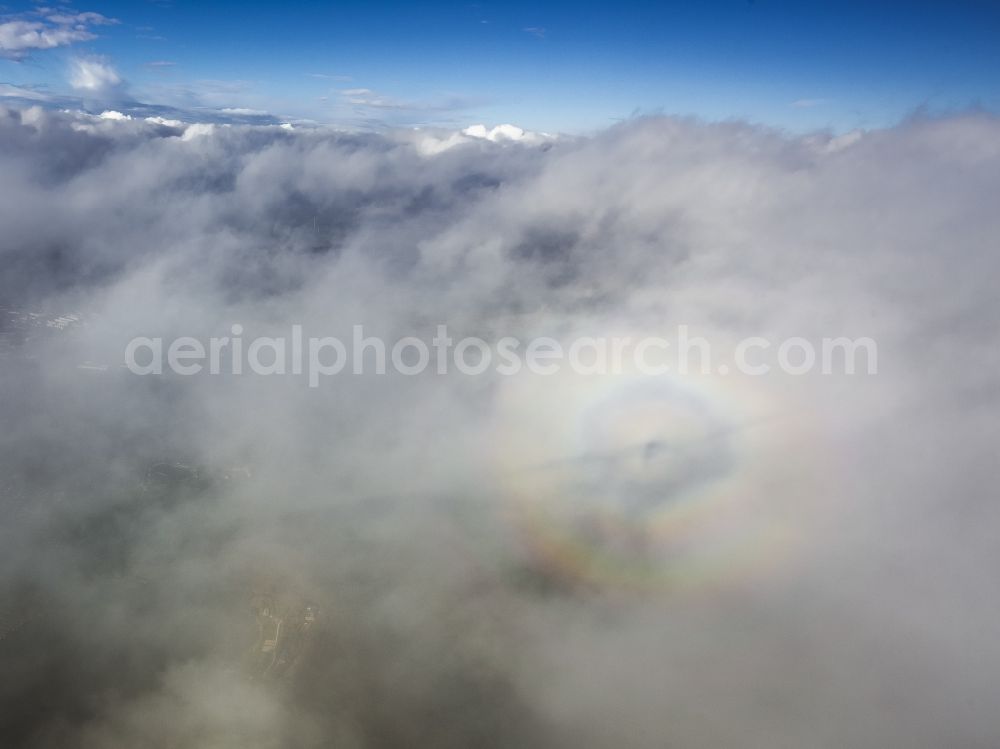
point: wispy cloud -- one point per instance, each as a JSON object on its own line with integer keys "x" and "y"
{"x": 329, "y": 77}
{"x": 47, "y": 28}
{"x": 245, "y": 112}
{"x": 376, "y": 109}
{"x": 365, "y": 97}
{"x": 537, "y": 31}
{"x": 9, "y": 91}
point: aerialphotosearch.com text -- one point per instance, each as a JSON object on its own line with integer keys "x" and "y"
{"x": 320, "y": 357}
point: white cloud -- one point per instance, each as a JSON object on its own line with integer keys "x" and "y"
{"x": 20, "y": 36}
{"x": 47, "y": 29}
{"x": 244, "y": 111}
{"x": 495, "y": 134}
{"x": 93, "y": 75}
{"x": 165, "y": 121}
{"x": 198, "y": 130}
{"x": 433, "y": 142}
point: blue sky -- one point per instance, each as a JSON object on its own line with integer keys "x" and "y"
{"x": 545, "y": 66}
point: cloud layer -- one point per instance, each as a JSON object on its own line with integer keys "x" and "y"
{"x": 828, "y": 574}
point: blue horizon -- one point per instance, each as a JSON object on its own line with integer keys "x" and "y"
{"x": 554, "y": 67}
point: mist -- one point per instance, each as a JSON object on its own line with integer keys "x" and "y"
{"x": 485, "y": 560}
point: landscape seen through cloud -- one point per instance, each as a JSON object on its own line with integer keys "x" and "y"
{"x": 410, "y": 494}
